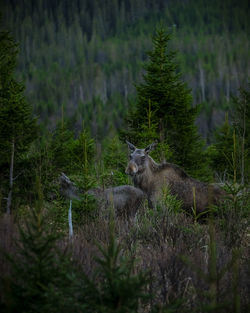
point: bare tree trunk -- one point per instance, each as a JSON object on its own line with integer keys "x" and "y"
{"x": 70, "y": 221}
{"x": 9, "y": 199}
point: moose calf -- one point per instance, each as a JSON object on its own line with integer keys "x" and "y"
{"x": 125, "y": 199}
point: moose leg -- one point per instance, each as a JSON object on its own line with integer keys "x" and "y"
{"x": 150, "y": 203}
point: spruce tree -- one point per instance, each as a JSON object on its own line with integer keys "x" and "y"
{"x": 171, "y": 103}
{"x": 17, "y": 126}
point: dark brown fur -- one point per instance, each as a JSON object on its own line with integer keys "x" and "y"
{"x": 152, "y": 178}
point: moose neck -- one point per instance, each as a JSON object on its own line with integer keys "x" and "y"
{"x": 144, "y": 179}
{"x": 152, "y": 165}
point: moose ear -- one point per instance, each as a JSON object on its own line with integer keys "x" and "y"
{"x": 131, "y": 146}
{"x": 150, "y": 147}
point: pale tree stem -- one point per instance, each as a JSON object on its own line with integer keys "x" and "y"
{"x": 70, "y": 221}
{"x": 9, "y": 199}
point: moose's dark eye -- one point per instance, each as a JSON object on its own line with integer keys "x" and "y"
{"x": 143, "y": 158}
{"x": 130, "y": 157}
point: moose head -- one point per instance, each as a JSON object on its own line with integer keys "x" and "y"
{"x": 138, "y": 159}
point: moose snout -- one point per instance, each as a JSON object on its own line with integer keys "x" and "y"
{"x": 132, "y": 168}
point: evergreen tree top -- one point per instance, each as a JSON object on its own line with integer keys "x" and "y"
{"x": 8, "y": 53}
{"x": 171, "y": 113}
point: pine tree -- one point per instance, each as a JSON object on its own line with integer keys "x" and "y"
{"x": 17, "y": 126}
{"x": 171, "y": 103}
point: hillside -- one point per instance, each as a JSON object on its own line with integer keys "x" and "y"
{"x": 82, "y": 58}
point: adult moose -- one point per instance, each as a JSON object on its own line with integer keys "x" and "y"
{"x": 152, "y": 178}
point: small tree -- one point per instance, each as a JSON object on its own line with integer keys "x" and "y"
{"x": 84, "y": 152}
{"x": 242, "y": 126}
{"x": 40, "y": 275}
{"x": 115, "y": 287}
{"x": 61, "y": 147}
{"x": 114, "y": 163}
{"x": 222, "y": 153}
{"x": 17, "y": 126}
{"x": 171, "y": 104}
{"x": 230, "y": 153}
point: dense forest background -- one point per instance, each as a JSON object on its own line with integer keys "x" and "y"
{"x": 83, "y": 58}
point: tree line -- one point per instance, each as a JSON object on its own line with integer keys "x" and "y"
{"x": 163, "y": 112}
{"x": 84, "y": 57}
